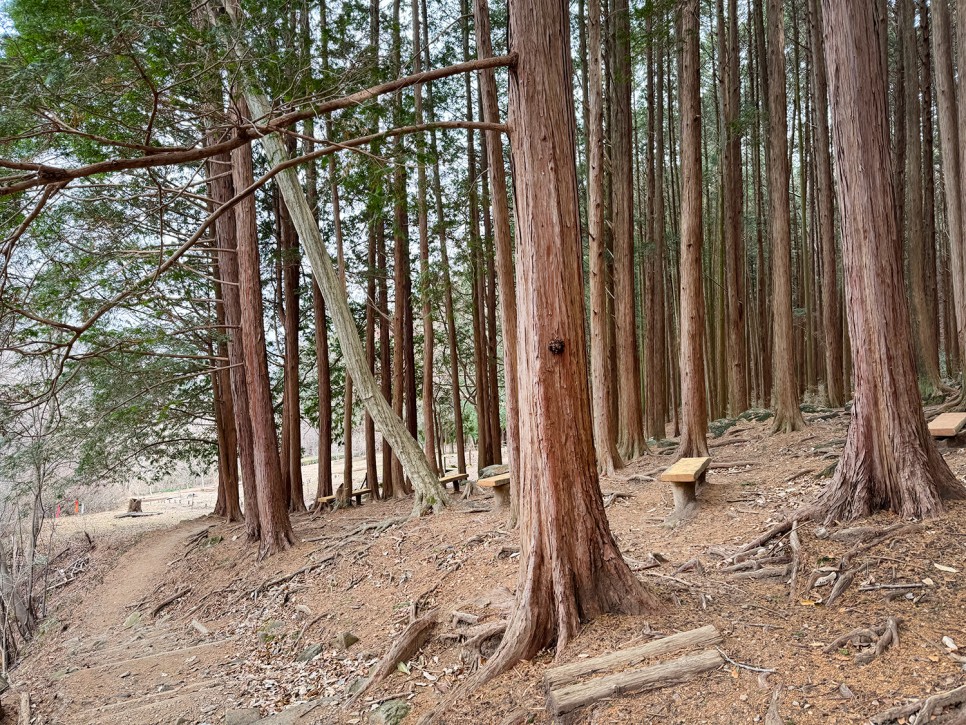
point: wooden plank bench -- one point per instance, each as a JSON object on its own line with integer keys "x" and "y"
{"x": 501, "y": 488}
{"x": 357, "y": 495}
{"x": 947, "y": 425}
{"x": 685, "y": 475}
{"x": 454, "y": 478}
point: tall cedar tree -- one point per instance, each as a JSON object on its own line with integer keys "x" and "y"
{"x": 630, "y": 413}
{"x": 570, "y": 567}
{"x": 889, "y": 461}
{"x": 694, "y": 401}
{"x": 785, "y": 394}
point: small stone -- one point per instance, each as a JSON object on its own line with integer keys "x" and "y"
{"x": 346, "y": 640}
{"x": 242, "y": 716}
{"x": 191, "y": 660}
{"x": 125, "y": 674}
{"x": 743, "y": 697}
{"x": 132, "y": 619}
{"x": 309, "y": 653}
{"x": 845, "y": 692}
{"x": 200, "y": 628}
{"x": 391, "y": 712}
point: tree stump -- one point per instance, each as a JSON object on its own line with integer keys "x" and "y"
{"x": 134, "y": 505}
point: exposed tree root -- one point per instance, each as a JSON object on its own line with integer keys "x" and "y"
{"x": 882, "y": 637}
{"x": 405, "y": 646}
{"x": 170, "y": 600}
{"x": 922, "y": 709}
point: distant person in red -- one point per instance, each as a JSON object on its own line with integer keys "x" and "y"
{"x": 76, "y": 506}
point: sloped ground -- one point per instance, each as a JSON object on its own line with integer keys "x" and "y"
{"x": 366, "y": 570}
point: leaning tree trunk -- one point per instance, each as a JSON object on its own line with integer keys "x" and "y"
{"x": 276, "y": 528}
{"x": 889, "y": 461}
{"x": 429, "y": 493}
{"x": 570, "y": 567}
{"x": 605, "y": 440}
{"x": 694, "y": 402}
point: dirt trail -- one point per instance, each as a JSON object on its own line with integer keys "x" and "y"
{"x": 117, "y": 664}
{"x": 137, "y": 574}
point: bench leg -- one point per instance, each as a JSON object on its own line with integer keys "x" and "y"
{"x": 502, "y": 494}
{"x": 685, "y": 503}
{"x": 358, "y": 497}
{"x": 456, "y": 486}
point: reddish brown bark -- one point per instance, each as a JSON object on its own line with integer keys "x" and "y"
{"x": 920, "y": 276}
{"x": 694, "y": 403}
{"x": 276, "y": 529}
{"x": 889, "y": 461}
{"x": 732, "y": 200}
{"x": 835, "y": 385}
{"x": 605, "y": 435}
{"x": 503, "y": 245}
{"x": 630, "y": 411}
{"x": 222, "y": 189}
{"x": 951, "y": 163}
{"x": 570, "y": 567}
{"x": 655, "y": 345}
{"x": 785, "y": 392}
{"x": 291, "y": 410}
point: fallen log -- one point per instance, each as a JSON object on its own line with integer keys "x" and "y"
{"x": 557, "y": 677}
{"x": 24, "y": 718}
{"x": 664, "y": 674}
{"x": 134, "y": 514}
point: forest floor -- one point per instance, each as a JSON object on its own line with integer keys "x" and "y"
{"x": 234, "y": 640}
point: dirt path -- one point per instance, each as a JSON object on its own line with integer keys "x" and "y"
{"x": 123, "y": 666}
{"x": 137, "y": 574}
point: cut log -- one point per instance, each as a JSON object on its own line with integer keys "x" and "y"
{"x": 565, "y": 674}
{"x": 134, "y": 505}
{"x": 136, "y": 514}
{"x": 664, "y": 674}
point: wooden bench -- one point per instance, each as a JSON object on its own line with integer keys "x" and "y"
{"x": 357, "y": 495}
{"x": 455, "y": 479}
{"x": 685, "y": 475}
{"x": 947, "y": 425}
{"x": 501, "y": 488}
